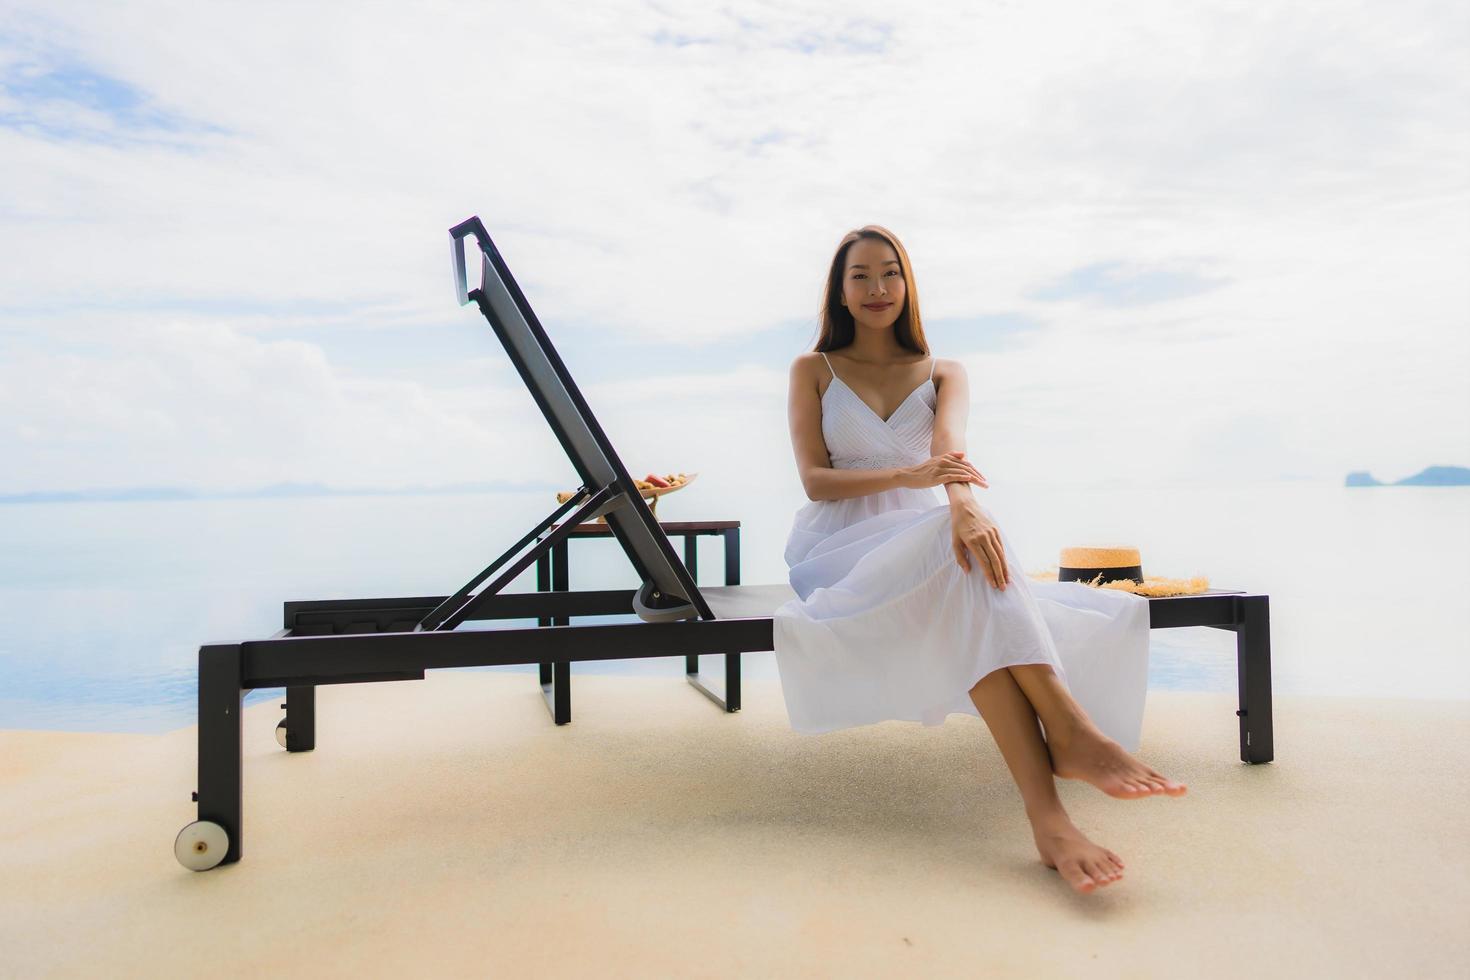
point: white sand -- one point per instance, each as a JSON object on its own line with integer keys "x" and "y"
{"x": 449, "y": 826}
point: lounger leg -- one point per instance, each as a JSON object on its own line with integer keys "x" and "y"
{"x": 558, "y": 692}
{"x": 300, "y": 718}
{"x": 691, "y": 562}
{"x": 730, "y": 700}
{"x": 1253, "y": 664}
{"x": 220, "y": 780}
{"x": 732, "y": 660}
{"x": 543, "y": 584}
{"x": 556, "y": 677}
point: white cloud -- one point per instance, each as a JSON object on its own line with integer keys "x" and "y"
{"x": 1312, "y": 156}
{"x": 200, "y": 404}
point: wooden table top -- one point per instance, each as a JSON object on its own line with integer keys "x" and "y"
{"x": 670, "y": 527}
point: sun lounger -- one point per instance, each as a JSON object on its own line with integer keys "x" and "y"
{"x": 350, "y": 641}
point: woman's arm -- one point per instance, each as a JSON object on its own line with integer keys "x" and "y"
{"x": 834, "y": 484}
{"x": 971, "y": 531}
{"x": 813, "y": 463}
{"x": 950, "y": 415}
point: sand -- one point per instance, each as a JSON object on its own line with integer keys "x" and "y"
{"x": 448, "y": 826}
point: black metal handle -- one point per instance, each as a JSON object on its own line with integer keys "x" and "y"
{"x": 470, "y": 226}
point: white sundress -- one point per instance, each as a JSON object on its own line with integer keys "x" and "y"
{"x": 887, "y": 625}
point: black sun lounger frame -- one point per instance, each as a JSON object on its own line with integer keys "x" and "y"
{"x": 350, "y": 641}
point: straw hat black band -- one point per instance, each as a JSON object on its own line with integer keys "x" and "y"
{"x": 1068, "y": 573}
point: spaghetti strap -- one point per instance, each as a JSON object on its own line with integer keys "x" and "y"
{"x": 931, "y": 368}
{"x": 829, "y": 364}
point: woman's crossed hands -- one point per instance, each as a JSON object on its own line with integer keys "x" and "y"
{"x": 945, "y": 468}
{"x": 971, "y": 531}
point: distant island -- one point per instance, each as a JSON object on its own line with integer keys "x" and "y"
{"x": 1430, "y": 476}
{"x": 275, "y": 490}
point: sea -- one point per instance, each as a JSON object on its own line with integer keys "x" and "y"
{"x": 105, "y": 604}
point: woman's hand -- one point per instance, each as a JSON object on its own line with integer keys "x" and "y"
{"x": 973, "y": 532}
{"x": 938, "y": 470}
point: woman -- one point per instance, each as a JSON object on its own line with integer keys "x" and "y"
{"x": 908, "y": 605}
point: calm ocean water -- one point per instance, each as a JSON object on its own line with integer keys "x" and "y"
{"x": 105, "y": 605}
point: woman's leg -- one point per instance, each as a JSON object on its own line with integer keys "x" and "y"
{"x": 1013, "y": 723}
{"x": 1078, "y": 750}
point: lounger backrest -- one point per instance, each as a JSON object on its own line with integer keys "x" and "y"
{"x": 550, "y": 383}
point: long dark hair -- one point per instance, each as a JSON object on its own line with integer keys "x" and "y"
{"x": 838, "y": 329}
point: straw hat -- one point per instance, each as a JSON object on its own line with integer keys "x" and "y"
{"x": 1117, "y": 568}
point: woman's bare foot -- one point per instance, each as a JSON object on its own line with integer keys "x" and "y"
{"x": 1081, "y": 863}
{"x": 1091, "y": 756}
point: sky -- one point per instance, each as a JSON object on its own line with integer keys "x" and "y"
{"x": 1170, "y": 243}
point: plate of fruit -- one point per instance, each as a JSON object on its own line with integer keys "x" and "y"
{"x": 651, "y": 487}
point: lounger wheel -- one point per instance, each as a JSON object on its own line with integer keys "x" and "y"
{"x": 281, "y": 733}
{"x": 201, "y": 845}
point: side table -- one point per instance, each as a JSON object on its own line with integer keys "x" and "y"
{"x": 553, "y": 572}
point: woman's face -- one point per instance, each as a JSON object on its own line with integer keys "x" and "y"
{"x": 872, "y": 283}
